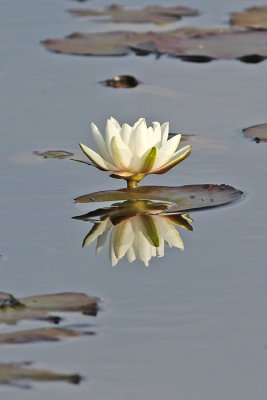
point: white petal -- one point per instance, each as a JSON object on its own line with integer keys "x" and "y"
{"x": 100, "y": 143}
{"x": 138, "y": 140}
{"x": 110, "y": 131}
{"x": 123, "y": 237}
{"x": 126, "y": 131}
{"x": 95, "y": 232}
{"x": 167, "y": 151}
{"x": 97, "y": 159}
{"x": 164, "y": 132}
{"x": 120, "y": 152}
{"x": 130, "y": 255}
{"x": 102, "y": 238}
{"x": 169, "y": 233}
{"x": 115, "y": 122}
{"x": 157, "y": 139}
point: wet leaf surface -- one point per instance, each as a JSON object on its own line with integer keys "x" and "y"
{"x": 258, "y": 133}
{"x": 16, "y": 373}
{"x": 13, "y": 310}
{"x": 154, "y": 14}
{"x": 197, "y": 45}
{"x": 40, "y": 335}
{"x": 121, "y": 81}
{"x": 254, "y": 18}
{"x": 183, "y": 198}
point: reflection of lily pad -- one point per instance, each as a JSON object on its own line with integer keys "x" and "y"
{"x": 189, "y": 44}
{"x": 14, "y": 373}
{"x": 183, "y": 198}
{"x": 254, "y": 18}
{"x": 39, "y": 335}
{"x": 257, "y": 133}
{"x": 13, "y": 310}
{"x": 155, "y": 14}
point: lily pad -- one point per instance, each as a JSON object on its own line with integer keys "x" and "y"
{"x": 253, "y": 18}
{"x": 16, "y": 373}
{"x": 199, "y": 45}
{"x": 182, "y": 198}
{"x": 154, "y": 14}
{"x": 257, "y": 132}
{"x": 121, "y": 81}
{"x": 13, "y": 310}
{"x": 40, "y": 335}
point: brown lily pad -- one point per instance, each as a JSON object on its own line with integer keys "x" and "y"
{"x": 39, "y": 335}
{"x": 253, "y": 18}
{"x": 16, "y": 373}
{"x": 13, "y": 310}
{"x": 181, "y": 198}
{"x": 258, "y": 133}
{"x": 200, "y": 45}
{"x": 154, "y": 14}
{"x": 121, "y": 81}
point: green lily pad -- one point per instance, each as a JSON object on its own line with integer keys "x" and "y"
{"x": 154, "y": 14}
{"x": 198, "y": 45}
{"x": 182, "y": 198}
{"x": 13, "y": 310}
{"x": 253, "y": 18}
{"x": 16, "y": 373}
{"x": 258, "y": 133}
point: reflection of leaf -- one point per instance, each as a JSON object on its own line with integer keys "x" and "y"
{"x": 155, "y": 14}
{"x": 254, "y": 17}
{"x": 190, "y": 44}
{"x": 13, "y": 373}
{"x": 257, "y": 133}
{"x": 183, "y": 198}
{"x": 39, "y": 335}
{"x": 39, "y": 307}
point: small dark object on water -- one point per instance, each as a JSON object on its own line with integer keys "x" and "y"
{"x": 121, "y": 81}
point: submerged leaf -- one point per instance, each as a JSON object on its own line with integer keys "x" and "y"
{"x": 59, "y": 154}
{"x": 155, "y": 14}
{"x": 13, "y": 373}
{"x": 183, "y": 198}
{"x": 254, "y": 18}
{"x": 121, "y": 81}
{"x": 257, "y": 132}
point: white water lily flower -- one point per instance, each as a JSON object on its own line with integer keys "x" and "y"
{"x": 132, "y": 152}
{"x": 140, "y": 236}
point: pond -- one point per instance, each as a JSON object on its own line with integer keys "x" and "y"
{"x": 192, "y": 325}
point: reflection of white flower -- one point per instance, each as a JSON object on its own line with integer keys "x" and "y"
{"x": 138, "y": 237}
{"x": 131, "y": 152}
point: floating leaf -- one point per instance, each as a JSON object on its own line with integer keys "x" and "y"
{"x": 155, "y": 14}
{"x": 13, "y": 310}
{"x": 14, "y": 373}
{"x": 199, "y": 45}
{"x": 121, "y": 81}
{"x": 59, "y": 154}
{"x": 98, "y": 44}
{"x": 183, "y": 198}
{"x": 39, "y": 335}
{"x": 254, "y": 18}
{"x": 257, "y": 133}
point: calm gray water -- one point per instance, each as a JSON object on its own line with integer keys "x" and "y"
{"x": 191, "y": 326}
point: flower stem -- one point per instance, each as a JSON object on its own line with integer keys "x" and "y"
{"x": 131, "y": 184}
